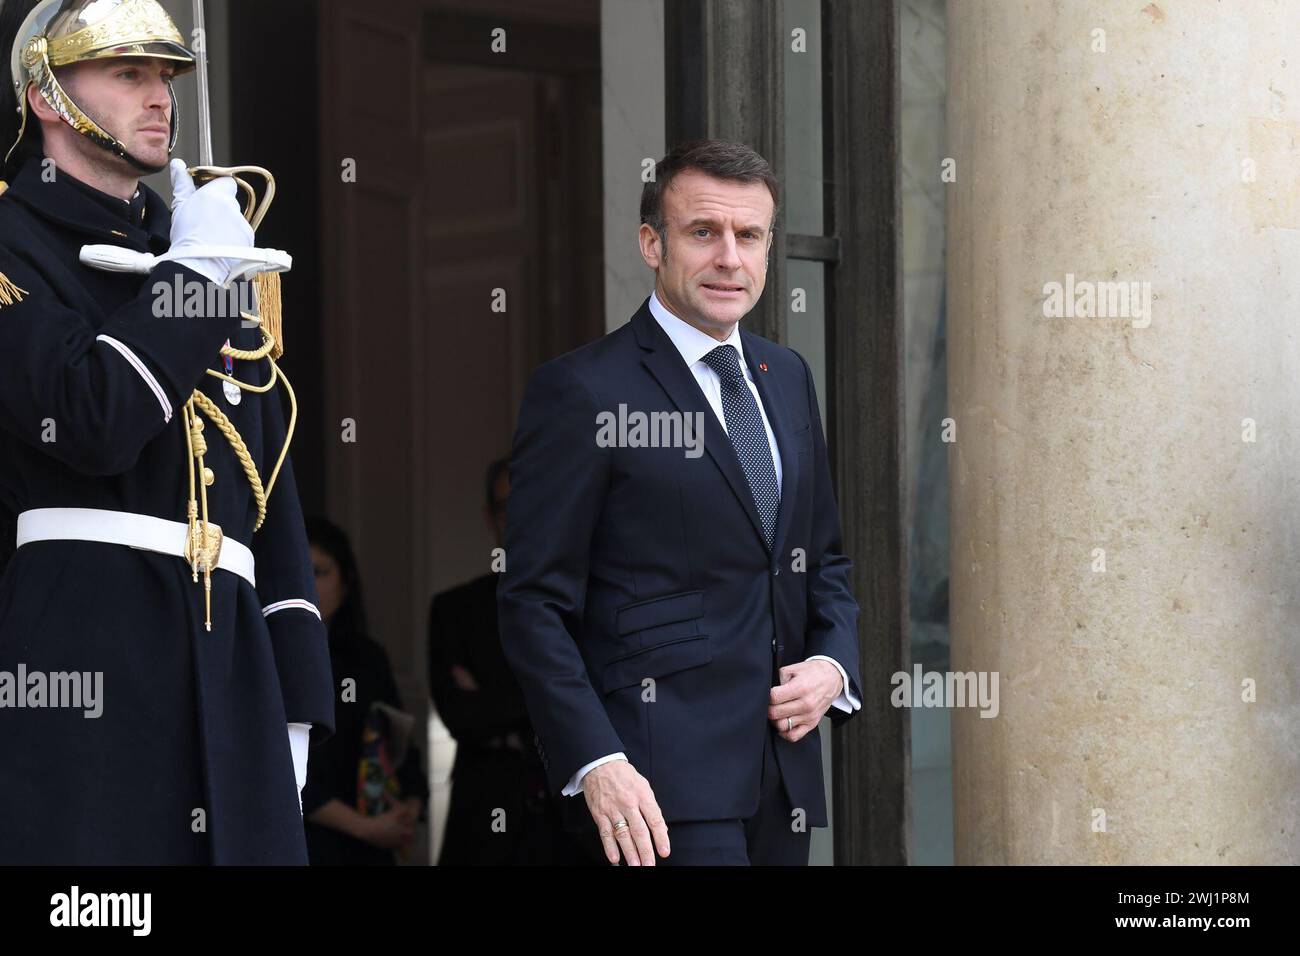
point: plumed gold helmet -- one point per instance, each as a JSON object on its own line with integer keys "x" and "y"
{"x": 61, "y": 32}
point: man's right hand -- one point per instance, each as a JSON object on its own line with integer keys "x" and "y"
{"x": 207, "y": 216}
{"x": 616, "y": 794}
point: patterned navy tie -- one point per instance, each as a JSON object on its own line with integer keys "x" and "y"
{"x": 748, "y": 437}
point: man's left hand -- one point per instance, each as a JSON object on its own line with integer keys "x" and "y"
{"x": 806, "y": 692}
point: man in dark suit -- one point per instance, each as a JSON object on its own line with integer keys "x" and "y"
{"x": 678, "y": 616}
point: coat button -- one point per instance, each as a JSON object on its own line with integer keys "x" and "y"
{"x": 777, "y": 570}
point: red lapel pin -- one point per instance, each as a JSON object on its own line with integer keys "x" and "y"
{"x": 763, "y": 366}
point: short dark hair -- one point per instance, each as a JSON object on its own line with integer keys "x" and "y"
{"x": 718, "y": 158}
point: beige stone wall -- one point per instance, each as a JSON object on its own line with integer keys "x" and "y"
{"x": 1121, "y": 690}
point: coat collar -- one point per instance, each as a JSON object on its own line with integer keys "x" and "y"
{"x": 663, "y": 360}
{"x": 75, "y": 205}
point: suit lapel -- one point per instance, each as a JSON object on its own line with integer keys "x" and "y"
{"x": 664, "y": 363}
{"x": 778, "y": 416}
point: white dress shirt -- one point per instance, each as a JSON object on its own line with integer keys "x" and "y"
{"x": 693, "y": 346}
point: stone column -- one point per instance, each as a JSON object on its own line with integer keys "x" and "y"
{"x": 1124, "y": 362}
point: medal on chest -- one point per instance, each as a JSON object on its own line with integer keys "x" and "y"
{"x": 232, "y": 391}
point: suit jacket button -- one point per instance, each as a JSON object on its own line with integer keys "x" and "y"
{"x": 777, "y": 570}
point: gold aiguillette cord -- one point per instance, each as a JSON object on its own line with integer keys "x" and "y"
{"x": 205, "y": 537}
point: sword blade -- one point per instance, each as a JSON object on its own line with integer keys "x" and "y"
{"x": 201, "y": 73}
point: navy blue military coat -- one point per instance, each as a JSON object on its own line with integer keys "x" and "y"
{"x": 189, "y": 759}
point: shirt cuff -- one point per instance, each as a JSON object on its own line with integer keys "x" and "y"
{"x": 847, "y": 701}
{"x": 299, "y": 738}
{"x": 574, "y": 786}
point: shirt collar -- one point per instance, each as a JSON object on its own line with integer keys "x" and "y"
{"x": 690, "y": 341}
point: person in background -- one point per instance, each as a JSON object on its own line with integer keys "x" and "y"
{"x": 337, "y": 832}
{"x": 500, "y": 812}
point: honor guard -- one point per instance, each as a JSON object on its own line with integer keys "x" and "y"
{"x": 162, "y": 658}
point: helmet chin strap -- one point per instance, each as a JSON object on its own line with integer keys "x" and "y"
{"x": 115, "y": 145}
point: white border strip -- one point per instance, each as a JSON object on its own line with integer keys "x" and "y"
{"x": 140, "y": 367}
{"x": 290, "y": 603}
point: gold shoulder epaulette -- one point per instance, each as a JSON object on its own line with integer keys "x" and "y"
{"x": 9, "y": 293}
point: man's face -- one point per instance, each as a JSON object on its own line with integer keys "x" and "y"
{"x": 719, "y": 234}
{"x": 127, "y": 97}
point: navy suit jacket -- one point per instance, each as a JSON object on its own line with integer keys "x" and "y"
{"x": 640, "y": 607}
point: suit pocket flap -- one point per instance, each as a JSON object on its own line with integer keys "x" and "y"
{"x": 668, "y": 609}
{"x": 657, "y": 661}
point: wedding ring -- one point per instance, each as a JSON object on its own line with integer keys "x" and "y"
{"x": 621, "y": 825}
{"x": 789, "y": 724}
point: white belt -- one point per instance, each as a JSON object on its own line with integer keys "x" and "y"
{"x": 132, "y": 530}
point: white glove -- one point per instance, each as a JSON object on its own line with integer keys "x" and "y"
{"x": 209, "y": 216}
{"x": 299, "y": 737}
